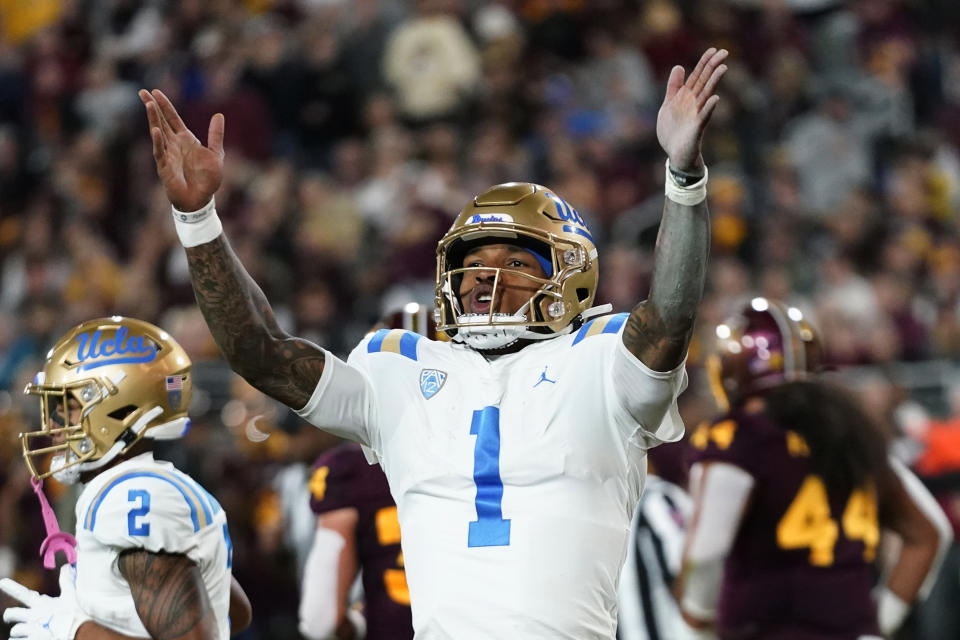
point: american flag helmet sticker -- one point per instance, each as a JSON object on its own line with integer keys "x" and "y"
{"x": 174, "y": 386}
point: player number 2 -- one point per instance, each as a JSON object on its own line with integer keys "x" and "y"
{"x": 143, "y": 507}
{"x": 489, "y": 529}
{"x": 808, "y": 524}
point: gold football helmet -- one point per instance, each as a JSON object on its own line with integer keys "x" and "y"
{"x": 532, "y": 217}
{"x": 106, "y": 384}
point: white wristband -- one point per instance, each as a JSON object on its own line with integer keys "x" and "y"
{"x": 197, "y": 227}
{"x": 689, "y": 196}
{"x": 891, "y": 611}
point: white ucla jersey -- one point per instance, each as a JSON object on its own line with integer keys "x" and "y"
{"x": 515, "y": 477}
{"x": 147, "y": 504}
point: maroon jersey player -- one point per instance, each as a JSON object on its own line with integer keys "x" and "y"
{"x": 792, "y": 488}
{"x": 358, "y": 530}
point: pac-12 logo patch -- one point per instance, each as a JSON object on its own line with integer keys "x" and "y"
{"x": 431, "y": 381}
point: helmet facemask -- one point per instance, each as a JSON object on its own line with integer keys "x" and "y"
{"x": 62, "y": 435}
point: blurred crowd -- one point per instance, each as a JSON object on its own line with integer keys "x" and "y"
{"x": 357, "y": 129}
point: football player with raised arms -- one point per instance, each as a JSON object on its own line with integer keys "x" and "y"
{"x": 153, "y": 552}
{"x": 516, "y": 451}
{"x": 792, "y": 489}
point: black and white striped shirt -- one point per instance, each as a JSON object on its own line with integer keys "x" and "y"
{"x": 647, "y": 608}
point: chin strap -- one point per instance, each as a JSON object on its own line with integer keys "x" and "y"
{"x": 598, "y": 310}
{"x": 122, "y": 443}
{"x": 492, "y": 336}
{"x": 169, "y": 430}
{"x": 56, "y": 540}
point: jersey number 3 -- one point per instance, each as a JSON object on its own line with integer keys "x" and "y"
{"x": 489, "y": 529}
{"x": 807, "y": 522}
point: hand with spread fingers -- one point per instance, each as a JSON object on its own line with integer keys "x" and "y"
{"x": 44, "y": 617}
{"x": 687, "y": 108}
{"x": 191, "y": 173}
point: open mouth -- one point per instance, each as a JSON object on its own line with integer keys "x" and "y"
{"x": 481, "y": 299}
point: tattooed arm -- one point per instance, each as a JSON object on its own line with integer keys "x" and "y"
{"x": 243, "y": 324}
{"x": 237, "y": 312}
{"x": 169, "y": 594}
{"x": 659, "y": 328}
{"x": 132, "y": 568}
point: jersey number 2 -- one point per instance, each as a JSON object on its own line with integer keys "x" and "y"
{"x": 143, "y": 497}
{"x": 489, "y": 529}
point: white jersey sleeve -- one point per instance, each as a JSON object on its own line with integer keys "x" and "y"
{"x": 148, "y": 510}
{"x": 641, "y": 402}
{"x": 344, "y": 402}
{"x": 650, "y": 397}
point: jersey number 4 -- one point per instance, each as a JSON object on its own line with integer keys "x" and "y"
{"x": 388, "y": 533}
{"x": 489, "y": 529}
{"x": 807, "y": 523}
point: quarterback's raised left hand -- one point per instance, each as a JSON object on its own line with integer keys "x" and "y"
{"x": 687, "y": 107}
{"x": 44, "y": 617}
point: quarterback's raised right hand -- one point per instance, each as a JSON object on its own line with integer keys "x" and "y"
{"x": 191, "y": 173}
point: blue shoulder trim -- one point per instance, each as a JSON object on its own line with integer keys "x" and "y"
{"x": 396, "y": 341}
{"x": 198, "y": 506}
{"x": 603, "y": 324}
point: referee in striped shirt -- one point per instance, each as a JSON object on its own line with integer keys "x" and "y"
{"x": 648, "y": 610}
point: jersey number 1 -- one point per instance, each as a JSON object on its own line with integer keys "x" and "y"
{"x": 489, "y": 529}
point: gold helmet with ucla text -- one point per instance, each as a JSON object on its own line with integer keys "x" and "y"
{"x": 105, "y": 385}
{"x": 534, "y": 218}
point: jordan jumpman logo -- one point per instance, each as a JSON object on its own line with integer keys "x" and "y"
{"x": 544, "y": 378}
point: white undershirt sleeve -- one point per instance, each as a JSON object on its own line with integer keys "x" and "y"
{"x": 318, "y": 593}
{"x": 650, "y": 397}
{"x": 720, "y": 492}
{"x": 344, "y": 403}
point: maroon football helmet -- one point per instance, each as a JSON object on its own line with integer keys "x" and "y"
{"x": 413, "y": 317}
{"x": 766, "y": 344}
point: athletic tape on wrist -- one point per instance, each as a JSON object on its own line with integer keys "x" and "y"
{"x": 689, "y": 196}
{"x": 197, "y": 227}
{"x": 891, "y": 611}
